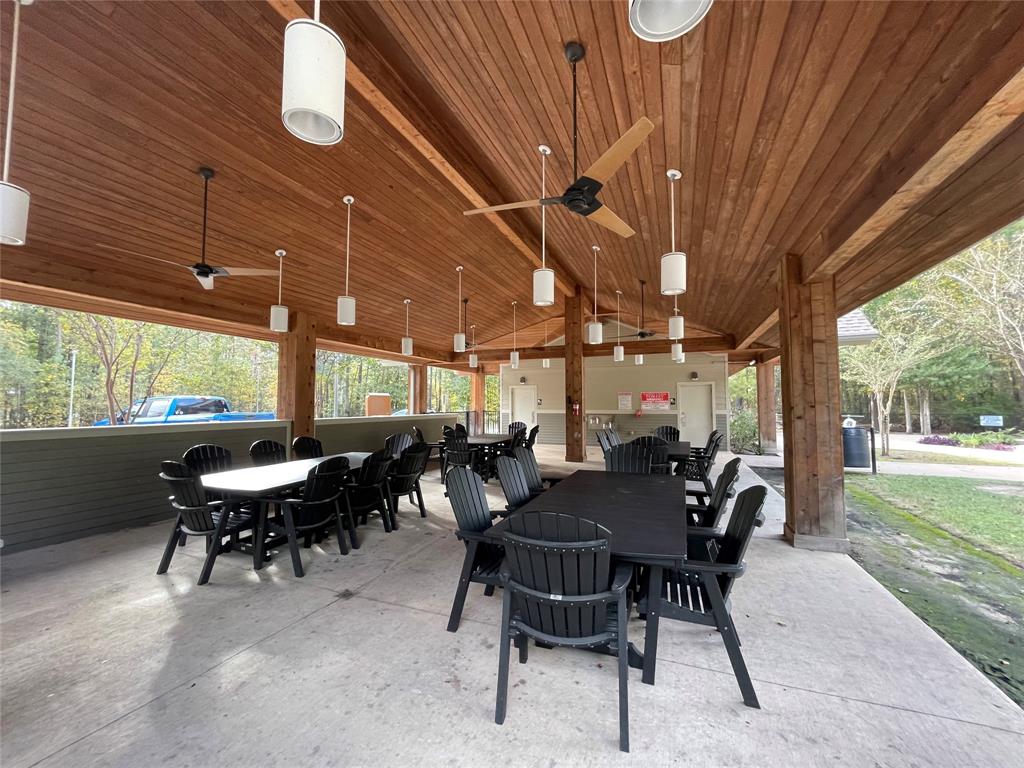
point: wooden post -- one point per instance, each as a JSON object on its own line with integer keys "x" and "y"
{"x": 815, "y": 512}
{"x": 575, "y": 410}
{"x": 766, "y": 408}
{"x": 477, "y": 400}
{"x": 417, "y": 388}
{"x": 296, "y": 374}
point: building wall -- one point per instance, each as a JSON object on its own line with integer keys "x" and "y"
{"x": 604, "y": 379}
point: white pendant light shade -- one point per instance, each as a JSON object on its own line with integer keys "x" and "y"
{"x": 459, "y": 342}
{"x": 618, "y": 353}
{"x": 673, "y": 273}
{"x": 514, "y": 359}
{"x": 407, "y": 346}
{"x": 346, "y": 310}
{"x": 543, "y": 287}
{"x": 13, "y": 214}
{"x": 658, "y": 21}
{"x": 474, "y": 361}
{"x": 677, "y": 352}
{"x": 313, "y": 85}
{"x": 545, "y": 363}
{"x": 676, "y": 327}
{"x": 279, "y": 318}
{"x": 638, "y": 359}
{"x": 682, "y": 357}
{"x": 595, "y": 334}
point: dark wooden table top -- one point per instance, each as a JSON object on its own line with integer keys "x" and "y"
{"x": 481, "y": 440}
{"x": 645, "y": 513}
{"x": 259, "y": 482}
{"x": 678, "y": 450}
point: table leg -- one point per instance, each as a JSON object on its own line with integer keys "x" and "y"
{"x": 259, "y": 536}
{"x": 653, "y": 614}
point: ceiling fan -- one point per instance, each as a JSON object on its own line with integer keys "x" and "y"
{"x": 642, "y": 332}
{"x": 204, "y": 273}
{"x": 581, "y": 196}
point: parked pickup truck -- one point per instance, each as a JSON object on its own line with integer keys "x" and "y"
{"x": 183, "y": 409}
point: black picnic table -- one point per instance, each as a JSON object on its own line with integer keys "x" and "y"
{"x": 647, "y": 519}
{"x": 678, "y": 450}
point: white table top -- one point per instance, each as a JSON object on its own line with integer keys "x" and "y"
{"x": 268, "y": 479}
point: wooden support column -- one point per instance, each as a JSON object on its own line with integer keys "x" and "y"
{"x": 811, "y": 422}
{"x": 575, "y": 409}
{"x": 296, "y": 374}
{"x": 477, "y": 400}
{"x": 766, "y": 407}
{"x": 417, "y": 388}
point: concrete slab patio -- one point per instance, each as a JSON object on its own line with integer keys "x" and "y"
{"x": 106, "y": 664}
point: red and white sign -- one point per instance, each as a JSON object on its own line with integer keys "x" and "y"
{"x": 654, "y": 401}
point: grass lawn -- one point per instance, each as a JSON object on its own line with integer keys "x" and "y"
{"x": 987, "y": 513}
{"x": 926, "y": 457}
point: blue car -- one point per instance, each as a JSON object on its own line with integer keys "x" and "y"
{"x": 183, "y": 409}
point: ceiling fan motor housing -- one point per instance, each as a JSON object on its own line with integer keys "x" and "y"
{"x": 581, "y": 197}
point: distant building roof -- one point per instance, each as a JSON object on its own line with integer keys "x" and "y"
{"x": 855, "y": 328}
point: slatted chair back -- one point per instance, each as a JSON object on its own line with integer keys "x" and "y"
{"x": 515, "y": 426}
{"x": 613, "y": 437}
{"x": 374, "y": 470}
{"x": 265, "y": 452}
{"x": 746, "y": 515}
{"x": 528, "y": 462}
{"x": 465, "y": 489}
{"x": 531, "y": 439}
{"x": 513, "y": 481}
{"x": 723, "y": 487}
{"x": 628, "y": 457}
{"x": 518, "y": 437}
{"x": 409, "y": 467}
{"x": 324, "y": 480}
{"x": 552, "y": 555}
{"x": 419, "y": 435}
{"x": 460, "y": 429}
{"x": 667, "y": 433}
{"x": 712, "y": 454}
{"x": 188, "y": 497}
{"x": 660, "y": 465}
{"x": 457, "y": 452}
{"x": 603, "y": 441}
{"x": 395, "y": 444}
{"x": 206, "y": 458}
{"x": 306, "y": 447}
{"x": 648, "y": 440}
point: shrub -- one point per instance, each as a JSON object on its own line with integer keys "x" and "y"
{"x": 743, "y": 432}
{"x": 985, "y": 439}
{"x": 939, "y": 440}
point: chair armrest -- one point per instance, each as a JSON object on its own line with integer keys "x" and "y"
{"x": 717, "y": 569}
{"x": 475, "y": 536}
{"x": 703, "y": 533}
{"x": 623, "y": 576}
{"x": 696, "y": 492}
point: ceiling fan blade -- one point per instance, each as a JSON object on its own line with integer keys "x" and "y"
{"x": 618, "y": 153}
{"x": 246, "y": 272}
{"x": 206, "y": 282}
{"x": 610, "y": 220}
{"x": 140, "y": 255}
{"x": 505, "y": 207}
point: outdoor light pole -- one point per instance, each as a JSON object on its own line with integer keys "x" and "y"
{"x": 71, "y": 396}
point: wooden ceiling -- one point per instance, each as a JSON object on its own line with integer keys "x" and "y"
{"x": 873, "y": 138}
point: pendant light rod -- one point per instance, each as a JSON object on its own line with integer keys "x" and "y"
{"x": 407, "y": 302}
{"x": 348, "y": 200}
{"x": 280, "y": 253}
{"x": 673, "y": 176}
{"x": 514, "y": 345}
{"x": 596, "y": 249}
{"x": 465, "y": 312}
{"x": 544, "y": 150}
{"x": 618, "y": 311}
{"x": 459, "y": 270}
{"x": 473, "y": 329}
{"x": 10, "y": 91}
{"x": 316, "y": 10}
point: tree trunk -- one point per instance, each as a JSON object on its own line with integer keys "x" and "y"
{"x": 883, "y": 423}
{"x": 925, "y": 406}
{"x": 909, "y": 419}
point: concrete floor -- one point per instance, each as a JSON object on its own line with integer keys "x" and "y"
{"x": 106, "y": 664}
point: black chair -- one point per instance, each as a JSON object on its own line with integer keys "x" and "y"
{"x": 458, "y": 453}
{"x": 265, "y": 452}
{"x": 515, "y": 426}
{"x": 531, "y": 439}
{"x": 513, "y": 483}
{"x": 460, "y": 429}
{"x": 482, "y": 563}
{"x": 518, "y": 438}
{"x": 419, "y": 435}
{"x": 197, "y": 515}
{"x": 668, "y": 434}
{"x": 205, "y": 458}
{"x": 701, "y": 450}
{"x": 708, "y": 515}
{"x": 319, "y": 506}
{"x": 698, "y": 467}
{"x": 602, "y": 440}
{"x": 660, "y": 465}
{"x": 559, "y": 592}
{"x": 628, "y": 457}
{"x": 534, "y": 479}
{"x": 395, "y": 444}
{"x": 613, "y": 437}
{"x": 699, "y": 592}
{"x": 367, "y": 491}
{"x": 306, "y": 447}
{"x": 404, "y": 477}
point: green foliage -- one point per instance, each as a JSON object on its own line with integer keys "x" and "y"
{"x": 743, "y": 389}
{"x": 743, "y": 437}
{"x": 986, "y": 439}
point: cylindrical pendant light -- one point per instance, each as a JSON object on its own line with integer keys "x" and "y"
{"x": 279, "y": 312}
{"x": 459, "y": 339}
{"x": 514, "y": 357}
{"x": 347, "y": 303}
{"x": 618, "y": 351}
{"x": 676, "y": 326}
{"x": 595, "y": 335}
{"x": 14, "y": 200}
{"x": 658, "y": 21}
{"x": 313, "y": 84}
{"x": 407, "y": 339}
{"x": 543, "y": 278}
{"x": 673, "y": 263}
{"x": 677, "y": 352}
{"x": 546, "y": 362}
{"x": 638, "y": 359}
{"x": 474, "y": 360}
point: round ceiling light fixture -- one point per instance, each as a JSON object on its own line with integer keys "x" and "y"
{"x": 313, "y": 84}
{"x": 658, "y": 21}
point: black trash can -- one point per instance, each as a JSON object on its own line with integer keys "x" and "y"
{"x": 856, "y": 447}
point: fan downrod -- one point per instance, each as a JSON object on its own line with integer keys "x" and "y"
{"x": 574, "y": 51}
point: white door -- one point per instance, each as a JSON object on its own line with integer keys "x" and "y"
{"x": 696, "y": 411}
{"x": 524, "y": 404}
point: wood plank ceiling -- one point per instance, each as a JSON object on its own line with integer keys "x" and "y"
{"x": 788, "y": 120}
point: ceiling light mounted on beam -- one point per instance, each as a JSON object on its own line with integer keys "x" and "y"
{"x": 673, "y": 263}
{"x": 594, "y": 331}
{"x": 514, "y": 357}
{"x": 279, "y": 312}
{"x": 459, "y": 339}
{"x": 347, "y": 303}
{"x": 543, "y": 278}
{"x": 618, "y": 351}
{"x": 658, "y": 21}
{"x": 14, "y": 200}
{"x": 313, "y": 84}
{"x": 407, "y": 339}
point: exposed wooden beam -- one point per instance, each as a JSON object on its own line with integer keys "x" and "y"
{"x": 375, "y": 98}
{"x": 649, "y": 347}
{"x": 575, "y": 371}
{"x": 296, "y": 374}
{"x": 760, "y": 330}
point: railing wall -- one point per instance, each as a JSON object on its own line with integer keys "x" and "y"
{"x": 367, "y": 433}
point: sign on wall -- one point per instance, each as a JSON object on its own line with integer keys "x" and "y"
{"x": 991, "y": 421}
{"x": 654, "y": 401}
{"x": 625, "y": 401}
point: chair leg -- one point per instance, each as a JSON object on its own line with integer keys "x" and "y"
{"x": 353, "y": 536}
{"x": 419, "y": 499}
{"x": 385, "y": 511}
{"x": 259, "y": 535}
{"x": 488, "y": 590}
{"x": 623, "y": 654}
{"x": 732, "y": 646}
{"x": 653, "y": 616}
{"x": 293, "y": 544}
{"x": 213, "y": 547}
{"x": 523, "y": 644}
{"x": 501, "y": 701}
{"x": 463, "y": 588}
{"x": 173, "y": 542}
{"x": 342, "y": 546}
{"x": 182, "y": 540}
